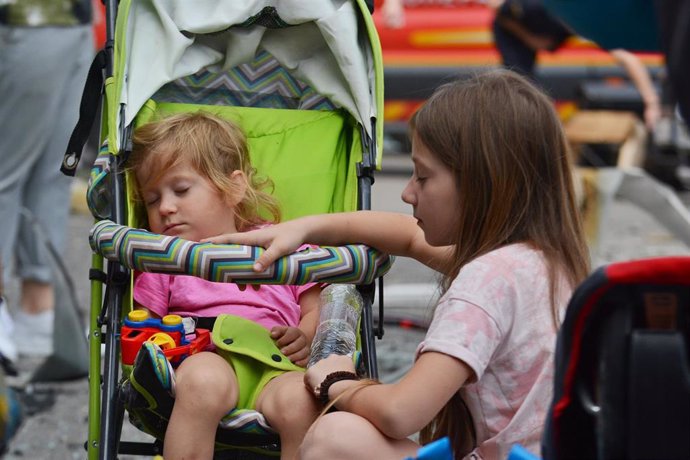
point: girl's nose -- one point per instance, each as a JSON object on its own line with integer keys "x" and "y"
{"x": 167, "y": 205}
{"x": 408, "y": 195}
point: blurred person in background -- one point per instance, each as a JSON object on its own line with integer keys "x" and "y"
{"x": 46, "y": 47}
{"x": 10, "y": 410}
{"x": 647, "y": 25}
{"x": 393, "y": 12}
{"x": 522, "y": 28}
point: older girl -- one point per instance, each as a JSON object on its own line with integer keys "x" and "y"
{"x": 494, "y": 211}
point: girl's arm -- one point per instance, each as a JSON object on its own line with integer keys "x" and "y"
{"x": 400, "y": 409}
{"x": 391, "y": 233}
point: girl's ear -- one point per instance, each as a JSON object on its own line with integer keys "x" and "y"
{"x": 239, "y": 182}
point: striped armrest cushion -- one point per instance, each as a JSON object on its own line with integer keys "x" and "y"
{"x": 149, "y": 252}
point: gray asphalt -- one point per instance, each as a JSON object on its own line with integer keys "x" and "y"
{"x": 56, "y": 425}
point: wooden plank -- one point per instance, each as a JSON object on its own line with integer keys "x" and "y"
{"x": 600, "y": 127}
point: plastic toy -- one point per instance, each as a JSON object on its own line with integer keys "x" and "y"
{"x": 437, "y": 450}
{"x": 517, "y": 452}
{"x": 167, "y": 332}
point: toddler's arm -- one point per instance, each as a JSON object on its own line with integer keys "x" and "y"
{"x": 295, "y": 342}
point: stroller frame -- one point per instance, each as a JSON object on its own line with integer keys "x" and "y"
{"x": 106, "y": 408}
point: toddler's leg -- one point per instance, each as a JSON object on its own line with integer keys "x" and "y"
{"x": 290, "y": 409}
{"x": 205, "y": 390}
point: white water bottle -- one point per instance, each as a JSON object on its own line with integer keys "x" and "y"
{"x": 341, "y": 306}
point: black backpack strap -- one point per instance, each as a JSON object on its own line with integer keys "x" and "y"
{"x": 203, "y": 322}
{"x": 90, "y": 101}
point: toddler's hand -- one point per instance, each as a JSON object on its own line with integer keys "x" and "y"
{"x": 292, "y": 343}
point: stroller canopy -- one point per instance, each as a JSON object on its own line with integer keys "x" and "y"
{"x": 330, "y": 45}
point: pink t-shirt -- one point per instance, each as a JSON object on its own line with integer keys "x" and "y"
{"x": 271, "y": 305}
{"x": 496, "y": 318}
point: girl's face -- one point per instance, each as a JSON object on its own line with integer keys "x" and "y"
{"x": 432, "y": 193}
{"x": 184, "y": 203}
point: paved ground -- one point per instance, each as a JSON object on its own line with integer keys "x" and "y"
{"x": 56, "y": 423}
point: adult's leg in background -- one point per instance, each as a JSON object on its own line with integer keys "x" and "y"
{"x": 23, "y": 91}
{"x": 43, "y": 71}
{"x": 46, "y": 190}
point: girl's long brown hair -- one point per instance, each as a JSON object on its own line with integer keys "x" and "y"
{"x": 215, "y": 148}
{"x": 504, "y": 143}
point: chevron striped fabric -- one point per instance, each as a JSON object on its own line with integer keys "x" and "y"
{"x": 260, "y": 83}
{"x": 148, "y": 252}
{"x": 98, "y": 193}
{"x": 247, "y": 421}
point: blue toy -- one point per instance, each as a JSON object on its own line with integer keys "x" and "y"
{"x": 520, "y": 453}
{"x": 437, "y": 450}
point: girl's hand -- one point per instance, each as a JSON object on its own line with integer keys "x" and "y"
{"x": 279, "y": 240}
{"x": 292, "y": 343}
{"x": 319, "y": 371}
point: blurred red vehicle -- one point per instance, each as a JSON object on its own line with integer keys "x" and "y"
{"x": 98, "y": 23}
{"x": 442, "y": 40}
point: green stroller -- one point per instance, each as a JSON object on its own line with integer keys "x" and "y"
{"x": 304, "y": 80}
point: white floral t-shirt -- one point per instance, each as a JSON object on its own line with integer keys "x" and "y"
{"x": 497, "y": 318}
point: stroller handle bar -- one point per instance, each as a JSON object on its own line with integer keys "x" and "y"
{"x": 141, "y": 250}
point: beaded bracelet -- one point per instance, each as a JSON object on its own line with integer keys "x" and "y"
{"x": 330, "y": 380}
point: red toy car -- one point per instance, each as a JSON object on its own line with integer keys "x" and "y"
{"x": 167, "y": 332}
